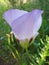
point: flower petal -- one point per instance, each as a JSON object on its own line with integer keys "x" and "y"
{"x": 26, "y": 26}
{"x": 13, "y": 14}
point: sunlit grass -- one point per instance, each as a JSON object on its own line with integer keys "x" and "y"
{"x": 4, "y": 2}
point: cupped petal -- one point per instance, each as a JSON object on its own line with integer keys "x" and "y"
{"x": 26, "y": 26}
{"x": 13, "y": 14}
{"x": 36, "y": 11}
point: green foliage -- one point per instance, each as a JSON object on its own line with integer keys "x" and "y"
{"x": 38, "y": 52}
{"x": 35, "y": 58}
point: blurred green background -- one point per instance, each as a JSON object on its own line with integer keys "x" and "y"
{"x": 28, "y": 5}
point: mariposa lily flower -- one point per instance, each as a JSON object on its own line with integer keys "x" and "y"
{"x": 25, "y": 25}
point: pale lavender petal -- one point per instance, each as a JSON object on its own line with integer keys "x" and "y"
{"x": 26, "y": 26}
{"x": 13, "y": 14}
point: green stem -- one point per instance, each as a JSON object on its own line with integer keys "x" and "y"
{"x": 30, "y": 57}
